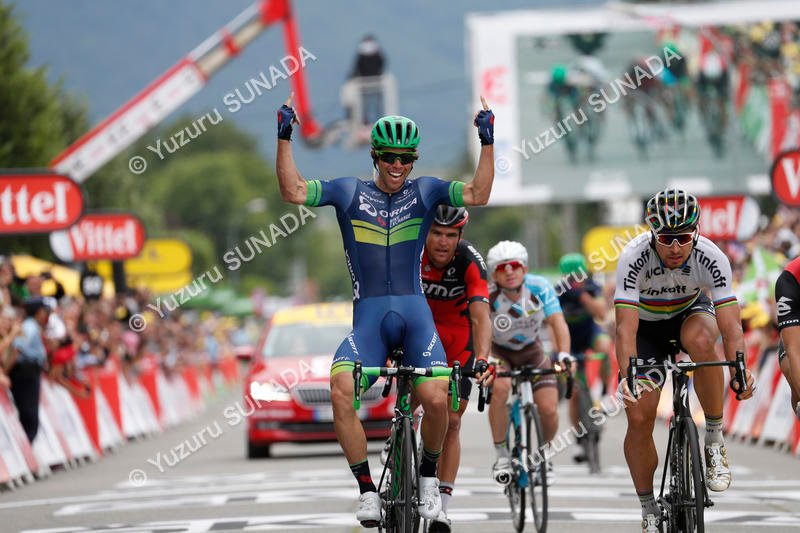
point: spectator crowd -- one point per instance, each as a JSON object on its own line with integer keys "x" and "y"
{"x": 44, "y": 331}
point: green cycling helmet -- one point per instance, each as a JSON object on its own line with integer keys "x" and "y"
{"x": 559, "y": 74}
{"x": 394, "y": 131}
{"x": 572, "y": 263}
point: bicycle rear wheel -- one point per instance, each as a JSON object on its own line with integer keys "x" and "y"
{"x": 691, "y": 497}
{"x": 515, "y": 490}
{"x": 591, "y": 440}
{"x": 537, "y": 484}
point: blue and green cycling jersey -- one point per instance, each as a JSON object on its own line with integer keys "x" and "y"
{"x": 384, "y": 234}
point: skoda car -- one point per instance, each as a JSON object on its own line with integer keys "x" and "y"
{"x": 287, "y": 395}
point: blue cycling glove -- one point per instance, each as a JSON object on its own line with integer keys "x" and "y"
{"x": 485, "y": 123}
{"x": 286, "y": 116}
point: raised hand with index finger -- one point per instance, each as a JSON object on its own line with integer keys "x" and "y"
{"x": 484, "y": 121}
{"x": 286, "y": 117}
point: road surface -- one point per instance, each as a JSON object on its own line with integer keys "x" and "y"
{"x": 309, "y": 488}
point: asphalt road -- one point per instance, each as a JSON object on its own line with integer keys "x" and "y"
{"x": 309, "y": 488}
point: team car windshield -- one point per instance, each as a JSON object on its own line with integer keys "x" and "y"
{"x": 304, "y": 339}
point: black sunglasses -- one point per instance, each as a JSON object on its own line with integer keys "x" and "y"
{"x": 405, "y": 158}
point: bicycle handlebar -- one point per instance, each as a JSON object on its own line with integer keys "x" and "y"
{"x": 360, "y": 373}
{"x": 738, "y": 365}
{"x": 481, "y": 389}
{"x": 529, "y": 371}
{"x": 454, "y": 383}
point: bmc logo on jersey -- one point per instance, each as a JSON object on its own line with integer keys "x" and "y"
{"x": 784, "y": 306}
{"x": 434, "y": 290}
{"x": 477, "y": 256}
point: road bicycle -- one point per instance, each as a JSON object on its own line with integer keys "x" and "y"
{"x": 528, "y": 466}
{"x": 588, "y": 426}
{"x": 687, "y": 497}
{"x": 399, "y": 483}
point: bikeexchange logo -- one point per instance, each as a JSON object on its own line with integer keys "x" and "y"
{"x": 382, "y": 215}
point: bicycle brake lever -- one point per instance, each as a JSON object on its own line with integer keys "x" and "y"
{"x": 387, "y": 387}
{"x": 455, "y": 386}
{"x": 481, "y": 397}
{"x": 740, "y": 375}
{"x": 632, "y": 371}
{"x": 357, "y": 385}
{"x": 570, "y": 383}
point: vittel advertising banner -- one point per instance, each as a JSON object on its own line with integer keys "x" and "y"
{"x": 96, "y": 236}
{"x": 725, "y": 218}
{"x": 38, "y": 202}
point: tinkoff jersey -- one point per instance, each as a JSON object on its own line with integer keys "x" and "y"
{"x": 660, "y": 293}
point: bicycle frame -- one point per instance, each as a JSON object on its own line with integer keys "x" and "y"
{"x": 401, "y": 503}
{"x": 522, "y": 408}
{"x": 672, "y": 502}
{"x": 680, "y": 409}
{"x": 521, "y": 396}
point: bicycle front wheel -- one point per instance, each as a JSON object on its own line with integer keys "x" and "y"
{"x": 406, "y": 516}
{"x": 691, "y": 498}
{"x": 515, "y": 489}
{"x": 537, "y": 469}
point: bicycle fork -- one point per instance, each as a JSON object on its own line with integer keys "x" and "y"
{"x": 520, "y": 455}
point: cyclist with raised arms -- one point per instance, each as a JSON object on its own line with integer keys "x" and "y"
{"x": 454, "y": 282}
{"x": 659, "y": 301}
{"x": 787, "y": 299}
{"x": 521, "y": 303}
{"x": 384, "y": 223}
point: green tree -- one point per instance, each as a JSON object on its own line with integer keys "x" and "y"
{"x": 31, "y": 126}
{"x": 37, "y": 121}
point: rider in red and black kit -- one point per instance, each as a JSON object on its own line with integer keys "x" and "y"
{"x": 787, "y": 300}
{"x": 454, "y": 282}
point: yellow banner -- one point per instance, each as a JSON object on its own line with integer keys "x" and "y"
{"x": 161, "y": 283}
{"x": 603, "y": 244}
{"x": 26, "y": 265}
{"x": 160, "y": 256}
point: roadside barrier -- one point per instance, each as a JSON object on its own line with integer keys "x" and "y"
{"x": 767, "y": 419}
{"x": 76, "y": 429}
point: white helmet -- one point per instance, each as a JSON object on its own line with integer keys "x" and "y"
{"x": 505, "y": 251}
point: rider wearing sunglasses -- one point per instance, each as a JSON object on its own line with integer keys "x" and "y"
{"x": 662, "y": 279}
{"x": 521, "y": 305}
{"x": 454, "y": 282}
{"x": 384, "y": 223}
